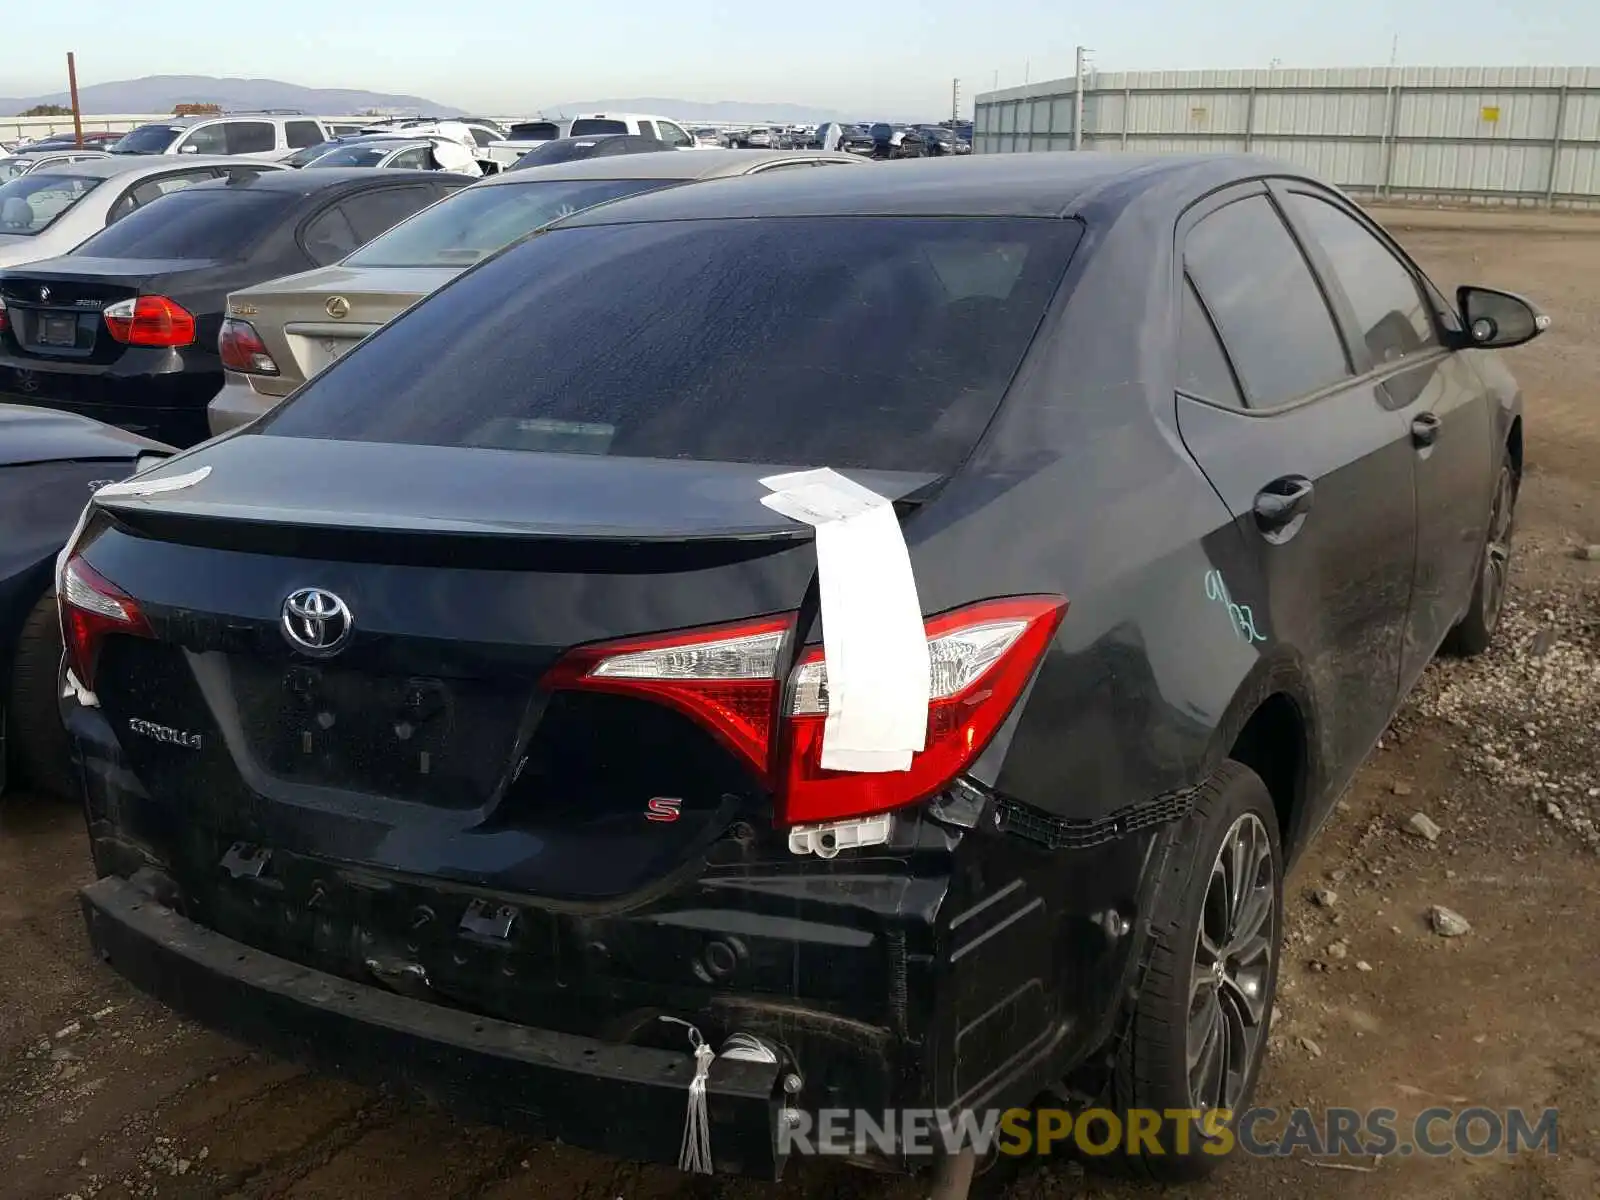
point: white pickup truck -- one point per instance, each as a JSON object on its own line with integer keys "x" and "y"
{"x": 531, "y": 134}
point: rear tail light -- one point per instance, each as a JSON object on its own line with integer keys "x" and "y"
{"x": 93, "y": 607}
{"x": 150, "y": 321}
{"x": 980, "y": 660}
{"x": 243, "y": 350}
{"x": 5, "y": 320}
{"x": 724, "y": 677}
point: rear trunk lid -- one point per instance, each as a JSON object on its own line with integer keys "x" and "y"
{"x": 311, "y": 320}
{"x": 54, "y": 307}
{"x": 426, "y": 744}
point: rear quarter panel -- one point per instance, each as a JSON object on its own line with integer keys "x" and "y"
{"x": 39, "y": 505}
{"x": 1083, "y": 486}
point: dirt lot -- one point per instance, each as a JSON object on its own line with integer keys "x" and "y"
{"x": 103, "y": 1094}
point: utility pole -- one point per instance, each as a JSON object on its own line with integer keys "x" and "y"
{"x": 955, "y": 103}
{"x": 1077, "y": 98}
{"x": 77, "y": 115}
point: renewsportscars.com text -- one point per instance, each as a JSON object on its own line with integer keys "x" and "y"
{"x": 1263, "y": 1132}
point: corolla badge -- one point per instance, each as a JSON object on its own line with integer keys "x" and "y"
{"x": 338, "y": 307}
{"x": 316, "y": 622}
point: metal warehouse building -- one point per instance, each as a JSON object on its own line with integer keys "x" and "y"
{"x": 1495, "y": 135}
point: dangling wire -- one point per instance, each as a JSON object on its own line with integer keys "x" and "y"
{"x": 694, "y": 1154}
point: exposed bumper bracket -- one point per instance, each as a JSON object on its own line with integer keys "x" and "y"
{"x": 627, "y": 1101}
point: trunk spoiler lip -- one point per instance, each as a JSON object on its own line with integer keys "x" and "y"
{"x": 175, "y": 510}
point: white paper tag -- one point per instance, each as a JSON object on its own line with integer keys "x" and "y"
{"x": 873, "y": 638}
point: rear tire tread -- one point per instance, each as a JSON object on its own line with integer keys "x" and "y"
{"x": 37, "y": 739}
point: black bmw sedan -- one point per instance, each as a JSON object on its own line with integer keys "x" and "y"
{"x": 471, "y": 712}
{"x": 124, "y": 329}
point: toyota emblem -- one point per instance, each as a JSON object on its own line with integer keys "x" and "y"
{"x": 316, "y": 622}
{"x": 44, "y": 293}
{"x": 338, "y": 307}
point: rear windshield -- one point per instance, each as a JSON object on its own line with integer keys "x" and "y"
{"x": 207, "y": 222}
{"x": 476, "y": 222}
{"x": 534, "y": 131}
{"x": 567, "y": 150}
{"x": 31, "y": 203}
{"x": 147, "y": 139}
{"x": 301, "y": 157}
{"x": 597, "y": 125}
{"x": 845, "y": 341}
{"x": 354, "y": 156}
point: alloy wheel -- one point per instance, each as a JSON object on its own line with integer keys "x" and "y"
{"x": 1233, "y": 956}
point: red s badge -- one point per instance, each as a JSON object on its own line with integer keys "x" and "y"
{"x": 663, "y": 808}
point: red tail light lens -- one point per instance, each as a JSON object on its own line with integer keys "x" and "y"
{"x": 981, "y": 658}
{"x": 93, "y": 607}
{"x": 150, "y": 321}
{"x": 243, "y": 350}
{"x": 5, "y": 321}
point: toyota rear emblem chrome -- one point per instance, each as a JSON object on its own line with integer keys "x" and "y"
{"x": 316, "y": 622}
{"x": 338, "y": 308}
{"x": 44, "y": 293}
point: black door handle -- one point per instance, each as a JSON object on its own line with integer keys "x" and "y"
{"x": 1425, "y": 429}
{"x": 1282, "y": 500}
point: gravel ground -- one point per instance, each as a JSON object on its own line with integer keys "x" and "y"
{"x": 1482, "y": 801}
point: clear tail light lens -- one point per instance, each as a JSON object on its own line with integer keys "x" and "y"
{"x": 92, "y": 607}
{"x": 150, "y": 321}
{"x": 243, "y": 350}
{"x": 725, "y": 677}
{"x": 981, "y": 658}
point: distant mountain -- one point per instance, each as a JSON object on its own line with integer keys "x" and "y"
{"x": 160, "y": 93}
{"x": 718, "y": 110}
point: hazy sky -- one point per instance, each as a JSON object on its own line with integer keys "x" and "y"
{"x": 865, "y": 57}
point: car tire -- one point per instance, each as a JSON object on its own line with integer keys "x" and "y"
{"x": 1473, "y": 633}
{"x": 1215, "y": 942}
{"x": 37, "y": 739}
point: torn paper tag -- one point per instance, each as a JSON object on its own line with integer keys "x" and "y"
{"x": 873, "y": 640}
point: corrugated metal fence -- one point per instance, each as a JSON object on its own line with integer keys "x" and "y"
{"x": 1498, "y": 135}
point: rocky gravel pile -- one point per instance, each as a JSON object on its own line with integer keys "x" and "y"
{"x": 1528, "y": 711}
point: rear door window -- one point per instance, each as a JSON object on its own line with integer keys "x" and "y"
{"x": 329, "y": 236}
{"x": 843, "y": 341}
{"x": 416, "y": 159}
{"x": 1267, "y": 304}
{"x": 374, "y": 212}
{"x": 251, "y": 137}
{"x": 301, "y": 134}
{"x": 646, "y": 129}
{"x": 1203, "y": 369}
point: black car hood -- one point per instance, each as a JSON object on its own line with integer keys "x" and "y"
{"x": 35, "y": 435}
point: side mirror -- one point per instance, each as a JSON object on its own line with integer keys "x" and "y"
{"x": 1496, "y": 320}
{"x": 189, "y": 148}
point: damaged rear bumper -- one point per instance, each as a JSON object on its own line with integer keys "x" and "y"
{"x": 627, "y": 1101}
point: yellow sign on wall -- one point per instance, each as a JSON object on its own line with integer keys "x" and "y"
{"x": 1491, "y": 113}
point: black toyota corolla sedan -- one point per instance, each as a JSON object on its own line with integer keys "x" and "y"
{"x": 467, "y": 715}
